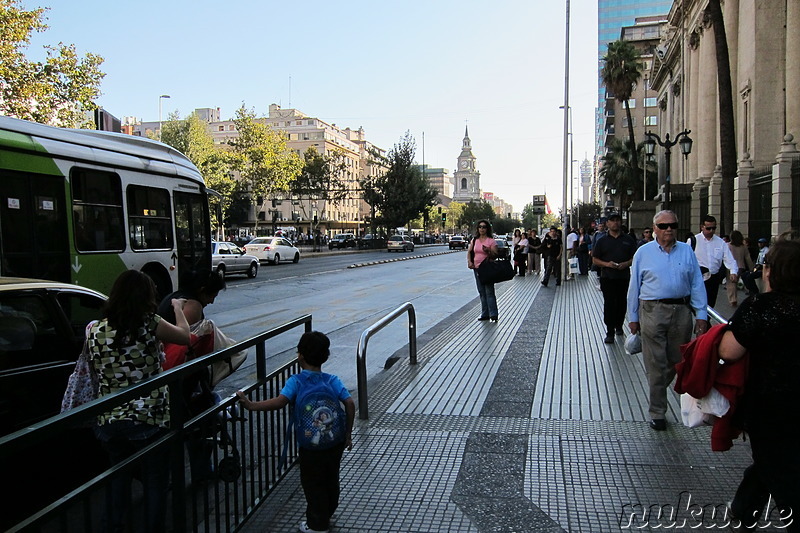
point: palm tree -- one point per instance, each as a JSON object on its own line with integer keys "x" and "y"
{"x": 727, "y": 132}
{"x": 618, "y": 171}
{"x": 621, "y": 71}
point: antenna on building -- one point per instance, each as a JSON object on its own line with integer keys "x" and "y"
{"x": 290, "y": 92}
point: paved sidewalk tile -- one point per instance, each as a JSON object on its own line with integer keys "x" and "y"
{"x": 531, "y": 424}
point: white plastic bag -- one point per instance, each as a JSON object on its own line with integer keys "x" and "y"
{"x": 633, "y": 344}
{"x": 696, "y": 412}
{"x": 573, "y": 266}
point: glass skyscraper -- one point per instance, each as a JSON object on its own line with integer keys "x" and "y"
{"x": 612, "y": 15}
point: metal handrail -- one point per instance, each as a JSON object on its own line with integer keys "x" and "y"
{"x": 361, "y": 350}
{"x": 713, "y": 314}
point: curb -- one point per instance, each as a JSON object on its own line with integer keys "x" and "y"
{"x": 382, "y": 261}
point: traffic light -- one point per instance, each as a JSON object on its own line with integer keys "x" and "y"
{"x": 444, "y": 217}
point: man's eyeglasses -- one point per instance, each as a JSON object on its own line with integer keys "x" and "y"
{"x": 710, "y": 228}
{"x": 665, "y": 225}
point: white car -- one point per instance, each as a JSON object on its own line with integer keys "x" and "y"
{"x": 227, "y": 258}
{"x": 273, "y": 250}
{"x": 399, "y": 243}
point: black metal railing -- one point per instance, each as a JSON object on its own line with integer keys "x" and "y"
{"x": 250, "y": 453}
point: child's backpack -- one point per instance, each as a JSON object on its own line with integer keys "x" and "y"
{"x": 319, "y": 419}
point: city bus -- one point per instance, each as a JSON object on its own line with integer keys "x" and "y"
{"x": 82, "y": 206}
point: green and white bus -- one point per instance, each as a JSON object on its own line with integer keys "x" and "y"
{"x": 81, "y": 206}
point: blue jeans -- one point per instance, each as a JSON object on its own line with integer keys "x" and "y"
{"x": 121, "y": 440}
{"x": 488, "y": 299}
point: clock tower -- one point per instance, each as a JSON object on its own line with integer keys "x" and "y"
{"x": 467, "y": 184}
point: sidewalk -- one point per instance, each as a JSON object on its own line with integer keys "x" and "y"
{"x": 531, "y": 424}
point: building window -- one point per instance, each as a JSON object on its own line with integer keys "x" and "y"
{"x": 231, "y": 127}
{"x": 651, "y": 101}
{"x": 632, "y": 103}
{"x": 463, "y": 184}
{"x": 221, "y": 128}
{"x": 651, "y": 121}
{"x": 625, "y": 122}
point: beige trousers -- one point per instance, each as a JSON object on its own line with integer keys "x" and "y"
{"x": 664, "y": 327}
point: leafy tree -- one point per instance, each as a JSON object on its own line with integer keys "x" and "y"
{"x": 475, "y": 211}
{"x": 585, "y": 213}
{"x": 403, "y": 192}
{"x": 321, "y": 179}
{"x": 260, "y": 155}
{"x": 57, "y": 91}
{"x": 727, "y": 131}
{"x": 454, "y": 213}
{"x": 551, "y": 219}
{"x": 530, "y": 218}
{"x": 501, "y": 225}
{"x": 620, "y": 73}
{"x": 191, "y": 137}
{"x": 617, "y": 169}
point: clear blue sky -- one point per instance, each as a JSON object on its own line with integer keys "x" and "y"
{"x": 389, "y": 66}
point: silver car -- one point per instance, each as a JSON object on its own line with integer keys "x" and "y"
{"x": 400, "y": 243}
{"x": 227, "y": 258}
{"x": 273, "y": 250}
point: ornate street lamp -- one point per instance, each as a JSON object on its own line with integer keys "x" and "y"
{"x": 685, "y": 143}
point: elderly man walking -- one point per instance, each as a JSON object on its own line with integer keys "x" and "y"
{"x": 666, "y": 288}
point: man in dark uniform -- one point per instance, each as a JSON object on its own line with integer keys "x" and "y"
{"x": 614, "y": 255}
{"x": 551, "y": 252}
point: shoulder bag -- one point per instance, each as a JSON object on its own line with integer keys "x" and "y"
{"x": 83, "y": 384}
{"x": 490, "y": 272}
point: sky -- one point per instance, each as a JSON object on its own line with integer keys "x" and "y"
{"x": 430, "y": 67}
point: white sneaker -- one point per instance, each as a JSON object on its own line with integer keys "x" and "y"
{"x": 305, "y": 529}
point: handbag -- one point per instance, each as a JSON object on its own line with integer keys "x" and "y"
{"x": 574, "y": 267}
{"x": 490, "y": 272}
{"x": 696, "y": 412}
{"x": 83, "y": 384}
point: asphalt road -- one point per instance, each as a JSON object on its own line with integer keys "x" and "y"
{"x": 343, "y": 301}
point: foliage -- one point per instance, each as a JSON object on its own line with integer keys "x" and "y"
{"x": 191, "y": 137}
{"x": 620, "y": 73}
{"x": 402, "y": 193}
{"x": 321, "y": 179}
{"x": 585, "y": 213}
{"x": 501, "y": 225}
{"x": 454, "y": 213}
{"x": 551, "y": 219}
{"x": 260, "y": 155}
{"x": 475, "y": 211}
{"x": 617, "y": 170}
{"x": 530, "y": 219}
{"x": 57, "y": 91}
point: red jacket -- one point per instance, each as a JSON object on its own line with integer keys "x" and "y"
{"x": 700, "y": 370}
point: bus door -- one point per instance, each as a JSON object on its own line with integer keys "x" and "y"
{"x": 34, "y": 242}
{"x": 192, "y": 232}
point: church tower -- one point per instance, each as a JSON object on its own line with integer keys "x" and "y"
{"x": 467, "y": 184}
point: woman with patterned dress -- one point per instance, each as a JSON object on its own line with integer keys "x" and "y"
{"x": 126, "y": 349}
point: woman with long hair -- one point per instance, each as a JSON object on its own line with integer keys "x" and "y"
{"x": 765, "y": 327}
{"x": 126, "y": 348}
{"x": 483, "y": 248}
{"x": 742, "y": 256}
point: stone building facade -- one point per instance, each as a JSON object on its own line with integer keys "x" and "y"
{"x": 764, "y": 47}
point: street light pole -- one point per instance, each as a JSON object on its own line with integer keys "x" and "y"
{"x": 160, "y": 98}
{"x": 685, "y": 143}
{"x": 567, "y": 157}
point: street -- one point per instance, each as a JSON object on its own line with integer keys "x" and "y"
{"x": 343, "y": 303}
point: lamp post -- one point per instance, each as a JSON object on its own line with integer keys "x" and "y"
{"x": 160, "y": 98}
{"x": 681, "y": 139}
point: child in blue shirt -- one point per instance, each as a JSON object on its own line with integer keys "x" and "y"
{"x": 319, "y": 468}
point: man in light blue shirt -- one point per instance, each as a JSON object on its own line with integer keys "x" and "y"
{"x": 666, "y": 288}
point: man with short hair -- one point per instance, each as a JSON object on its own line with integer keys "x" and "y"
{"x": 666, "y": 288}
{"x": 551, "y": 252}
{"x": 614, "y": 255}
{"x": 647, "y": 236}
{"x": 572, "y": 248}
{"x": 712, "y": 252}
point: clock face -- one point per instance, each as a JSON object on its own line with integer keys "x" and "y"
{"x": 464, "y": 164}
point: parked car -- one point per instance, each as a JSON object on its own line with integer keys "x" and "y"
{"x": 227, "y": 258}
{"x": 400, "y": 243}
{"x": 42, "y": 329}
{"x": 273, "y": 250}
{"x": 458, "y": 241}
{"x": 343, "y": 240}
{"x": 503, "y": 248}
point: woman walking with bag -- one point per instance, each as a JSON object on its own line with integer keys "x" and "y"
{"x": 742, "y": 256}
{"x": 483, "y": 248}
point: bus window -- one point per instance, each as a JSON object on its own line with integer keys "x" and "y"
{"x": 192, "y": 231}
{"x": 97, "y": 211}
{"x": 149, "y": 218}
